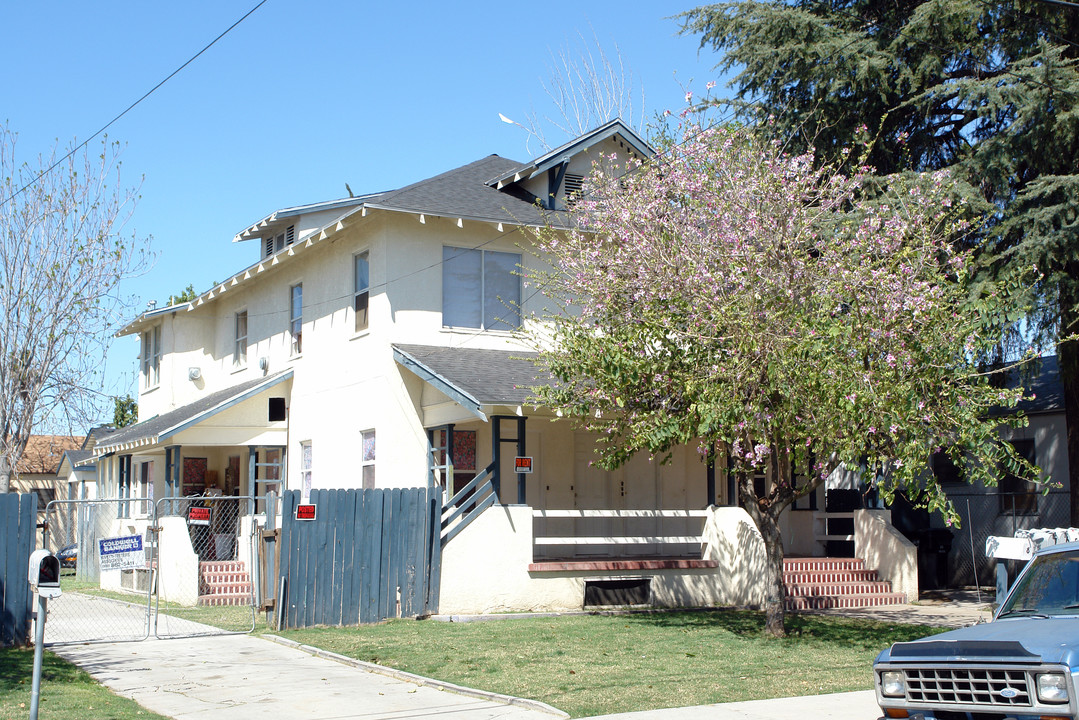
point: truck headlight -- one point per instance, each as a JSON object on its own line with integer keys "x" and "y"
{"x": 1052, "y": 688}
{"x": 893, "y": 683}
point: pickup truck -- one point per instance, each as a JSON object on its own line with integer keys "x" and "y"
{"x": 1023, "y": 665}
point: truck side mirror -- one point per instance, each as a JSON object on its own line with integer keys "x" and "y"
{"x": 44, "y": 574}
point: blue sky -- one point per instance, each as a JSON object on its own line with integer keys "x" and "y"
{"x": 299, "y": 99}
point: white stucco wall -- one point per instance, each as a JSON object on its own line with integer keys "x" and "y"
{"x": 485, "y": 568}
{"x": 886, "y": 550}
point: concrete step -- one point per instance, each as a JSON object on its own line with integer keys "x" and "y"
{"x": 225, "y": 599}
{"x": 822, "y": 564}
{"x": 228, "y": 588}
{"x": 821, "y": 583}
{"x": 831, "y": 576}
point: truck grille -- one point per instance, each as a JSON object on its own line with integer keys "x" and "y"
{"x": 968, "y": 686}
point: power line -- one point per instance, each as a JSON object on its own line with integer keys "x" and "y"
{"x": 129, "y": 108}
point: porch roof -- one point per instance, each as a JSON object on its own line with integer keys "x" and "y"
{"x": 476, "y": 379}
{"x": 161, "y": 427}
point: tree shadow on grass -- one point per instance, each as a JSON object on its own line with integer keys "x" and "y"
{"x": 17, "y": 670}
{"x": 868, "y": 634}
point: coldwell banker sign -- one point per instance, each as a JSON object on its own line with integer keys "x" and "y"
{"x": 121, "y": 553}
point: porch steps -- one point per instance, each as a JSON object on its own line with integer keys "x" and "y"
{"x": 824, "y": 583}
{"x": 224, "y": 583}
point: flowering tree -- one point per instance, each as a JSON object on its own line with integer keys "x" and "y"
{"x": 727, "y": 295}
{"x": 62, "y": 257}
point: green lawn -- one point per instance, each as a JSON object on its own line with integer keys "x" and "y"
{"x": 595, "y": 664}
{"x": 66, "y": 691}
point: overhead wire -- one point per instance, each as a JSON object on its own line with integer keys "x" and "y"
{"x": 128, "y": 109}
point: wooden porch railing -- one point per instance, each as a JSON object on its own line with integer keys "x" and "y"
{"x": 467, "y": 504}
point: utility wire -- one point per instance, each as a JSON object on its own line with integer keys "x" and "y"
{"x": 129, "y": 108}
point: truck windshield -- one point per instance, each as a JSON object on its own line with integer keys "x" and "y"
{"x": 1050, "y": 586}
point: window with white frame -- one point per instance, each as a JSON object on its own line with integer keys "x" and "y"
{"x": 239, "y": 350}
{"x": 295, "y": 318}
{"x": 367, "y": 458}
{"x": 361, "y": 289}
{"x": 305, "y": 468}
{"x": 480, "y": 289}
{"x": 151, "y": 357}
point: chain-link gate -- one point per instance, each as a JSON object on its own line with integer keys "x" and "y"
{"x": 207, "y": 562}
{"x": 132, "y": 567}
{"x": 98, "y": 604}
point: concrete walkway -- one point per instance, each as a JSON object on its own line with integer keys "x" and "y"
{"x": 243, "y": 677}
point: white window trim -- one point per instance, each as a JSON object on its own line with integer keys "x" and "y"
{"x": 240, "y": 362}
{"x": 295, "y": 339}
{"x": 150, "y": 357}
{"x": 483, "y": 294}
{"x": 356, "y": 294}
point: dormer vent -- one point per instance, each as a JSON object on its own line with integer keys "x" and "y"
{"x": 276, "y": 243}
{"x": 573, "y": 187}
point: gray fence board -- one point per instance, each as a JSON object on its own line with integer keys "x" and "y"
{"x": 364, "y": 548}
{"x": 18, "y": 525}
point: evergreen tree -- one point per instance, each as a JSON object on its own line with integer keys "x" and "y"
{"x": 987, "y": 88}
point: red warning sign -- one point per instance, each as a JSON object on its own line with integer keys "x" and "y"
{"x": 522, "y": 464}
{"x": 198, "y": 516}
{"x": 305, "y": 512}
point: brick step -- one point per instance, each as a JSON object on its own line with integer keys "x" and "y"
{"x": 226, "y": 566}
{"x": 846, "y": 601}
{"x": 838, "y": 589}
{"x": 229, "y": 599}
{"x": 822, "y": 564}
{"x": 836, "y": 576}
{"x": 227, "y": 588}
{"x": 229, "y": 577}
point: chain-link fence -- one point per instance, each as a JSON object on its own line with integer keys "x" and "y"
{"x": 206, "y": 562}
{"x": 101, "y": 602}
{"x": 987, "y": 514}
{"x": 129, "y": 568}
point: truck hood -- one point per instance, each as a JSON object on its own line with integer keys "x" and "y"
{"x": 1018, "y": 640}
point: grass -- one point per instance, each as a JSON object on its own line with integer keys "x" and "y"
{"x": 594, "y": 665}
{"x": 66, "y": 691}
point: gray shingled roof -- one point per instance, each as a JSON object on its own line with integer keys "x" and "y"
{"x": 150, "y": 430}
{"x": 463, "y": 192}
{"x": 490, "y": 377}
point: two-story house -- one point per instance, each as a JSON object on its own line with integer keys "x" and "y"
{"x": 376, "y": 341}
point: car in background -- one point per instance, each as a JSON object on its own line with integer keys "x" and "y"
{"x": 68, "y": 556}
{"x": 1022, "y": 665}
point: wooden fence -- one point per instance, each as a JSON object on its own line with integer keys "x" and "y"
{"x": 367, "y": 556}
{"x": 18, "y": 524}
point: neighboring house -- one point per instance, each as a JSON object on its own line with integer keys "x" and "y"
{"x": 1013, "y": 503}
{"x": 37, "y": 468}
{"x": 374, "y": 342}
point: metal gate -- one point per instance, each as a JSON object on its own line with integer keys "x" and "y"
{"x": 132, "y": 567}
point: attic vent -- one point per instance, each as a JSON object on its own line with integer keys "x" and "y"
{"x": 267, "y": 249}
{"x": 290, "y": 235}
{"x": 573, "y": 186}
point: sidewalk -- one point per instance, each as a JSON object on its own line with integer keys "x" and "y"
{"x": 243, "y": 677}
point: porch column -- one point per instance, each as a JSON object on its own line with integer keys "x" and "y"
{"x": 252, "y": 478}
{"x": 172, "y": 474}
{"x": 496, "y": 456}
{"x": 521, "y": 452}
{"x": 711, "y": 479}
{"x": 125, "y": 486}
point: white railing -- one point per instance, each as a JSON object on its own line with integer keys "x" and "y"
{"x": 619, "y": 539}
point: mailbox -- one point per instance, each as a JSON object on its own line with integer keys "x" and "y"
{"x": 44, "y": 574}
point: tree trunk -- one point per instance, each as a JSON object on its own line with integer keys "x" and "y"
{"x": 775, "y": 592}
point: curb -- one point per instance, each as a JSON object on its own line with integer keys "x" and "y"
{"x": 419, "y": 679}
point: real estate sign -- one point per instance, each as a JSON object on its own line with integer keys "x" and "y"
{"x": 121, "y": 553}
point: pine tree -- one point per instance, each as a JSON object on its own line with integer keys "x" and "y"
{"x": 987, "y": 88}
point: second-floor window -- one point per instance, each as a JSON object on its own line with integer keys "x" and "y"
{"x": 367, "y": 458}
{"x": 361, "y": 290}
{"x": 480, "y": 289}
{"x": 239, "y": 351}
{"x": 151, "y": 357}
{"x": 295, "y": 318}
